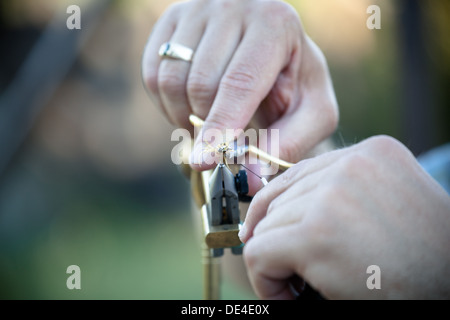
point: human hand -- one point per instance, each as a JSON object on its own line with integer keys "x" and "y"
{"x": 252, "y": 60}
{"x": 328, "y": 218}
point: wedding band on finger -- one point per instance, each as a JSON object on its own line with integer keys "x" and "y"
{"x": 176, "y": 51}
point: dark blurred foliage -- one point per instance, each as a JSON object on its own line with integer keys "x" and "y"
{"x": 402, "y": 87}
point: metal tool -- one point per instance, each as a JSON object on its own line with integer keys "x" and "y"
{"x": 221, "y": 221}
{"x": 217, "y": 194}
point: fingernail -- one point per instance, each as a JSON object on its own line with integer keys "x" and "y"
{"x": 242, "y": 232}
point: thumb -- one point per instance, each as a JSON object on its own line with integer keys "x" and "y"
{"x": 317, "y": 114}
{"x": 301, "y": 131}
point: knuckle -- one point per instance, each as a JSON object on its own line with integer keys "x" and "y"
{"x": 221, "y": 118}
{"x": 356, "y": 162}
{"x": 385, "y": 145}
{"x": 171, "y": 83}
{"x": 240, "y": 81}
{"x": 299, "y": 169}
{"x": 200, "y": 87}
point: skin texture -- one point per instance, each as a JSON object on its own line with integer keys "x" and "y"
{"x": 328, "y": 218}
{"x": 252, "y": 63}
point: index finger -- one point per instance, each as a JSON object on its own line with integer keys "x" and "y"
{"x": 248, "y": 79}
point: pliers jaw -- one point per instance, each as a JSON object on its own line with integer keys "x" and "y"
{"x": 221, "y": 214}
{"x": 224, "y": 202}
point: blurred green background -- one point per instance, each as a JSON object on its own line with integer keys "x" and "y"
{"x": 85, "y": 170}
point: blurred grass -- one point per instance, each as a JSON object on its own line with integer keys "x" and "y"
{"x": 123, "y": 250}
{"x": 131, "y": 239}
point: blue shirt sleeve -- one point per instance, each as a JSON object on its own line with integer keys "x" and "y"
{"x": 437, "y": 163}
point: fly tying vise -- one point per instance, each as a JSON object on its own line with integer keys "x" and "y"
{"x": 217, "y": 193}
{"x": 241, "y": 150}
